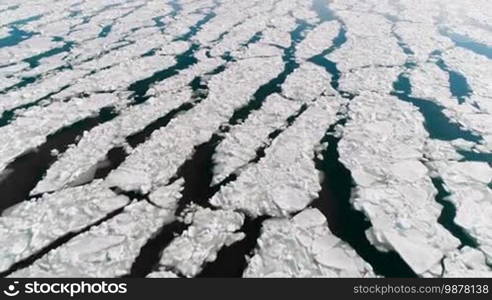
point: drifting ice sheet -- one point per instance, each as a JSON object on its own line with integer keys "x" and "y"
{"x": 304, "y": 247}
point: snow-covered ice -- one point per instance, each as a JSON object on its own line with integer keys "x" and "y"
{"x": 32, "y": 126}
{"x": 285, "y": 181}
{"x": 122, "y": 98}
{"x": 109, "y": 249}
{"x": 228, "y": 91}
{"x": 304, "y": 247}
{"x": 80, "y": 162}
{"x": 241, "y": 142}
{"x": 34, "y": 224}
{"x": 208, "y": 232}
{"x": 394, "y": 189}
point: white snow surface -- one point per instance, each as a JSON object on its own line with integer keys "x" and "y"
{"x": 195, "y": 64}
{"x": 394, "y": 189}
{"x": 285, "y": 181}
{"x": 303, "y": 246}
{"x": 142, "y": 171}
{"x": 32, "y": 225}
{"x": 109, "y": 249}
{"x": 32, "y": 126}
{"x": 208, "y": 232}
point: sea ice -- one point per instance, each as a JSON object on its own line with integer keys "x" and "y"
{"x": 318, "y": 40}
{"x": 285, "y": 181}
{"x": 469, "y": 187}
{"x": 32, "y": 225}
{"x": 304, "y": 247}
{"x": 241, "y": 142}
{"x": 32, "y": 126}
{"x": 109, "y": 249}
{"x": 80, "y": 162}
{"x": 228, "y": 91}
{"x": 208, "y": 232}
{"x": 382, "y": 145}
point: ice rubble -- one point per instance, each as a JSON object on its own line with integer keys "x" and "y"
{"x": 7, "y": 82}
{"x": 229, "y": 90}
{"x": 36, "y": 91}
{"x": 422, "y": 38}
{"x": 318, "y": 40}
{"x": 285, "y": 180}
{"x": 278, "y": 32}
{"x": 304, "y": 247}
{"x": 32, "y": 126}
{"x": 240, "y": 143}
{"x": 471, "y": 21}
{"x": 370, "y": 78}
{"x": 109, "y": 249}
{"x": 469, "y": 185}
{"x": 477, "y": 70}
{"x": 162, "y": 274}
{"x": 10, "y": 16}
{"x": 242, "y": 25}
{"x": 430, "y": 82}
{"x": 230, "y": 13}
{"x": 468, "y": 33}
{"x": 32, "y": 225}
{"x": 298, "y": 90}
{"x": 359, "y": 52}
{"x": 384, "y": 145}
{"x": 242, "y": 140}
{"x": 393, "y": 185}
{"x": 466, "y": 262}
{"x": 93, "y": 55}
{"x": 80, "y": 162}
{"x": 208, "y": 232}
{"x": 60, "y": 84}
{"x": 26, "y": 49}
{"x": 203, "y": 69}
{"x": 122, "y": 75}
{"x": 369, "y": 43}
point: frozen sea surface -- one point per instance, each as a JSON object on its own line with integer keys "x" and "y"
{"x": 257, "y": 138}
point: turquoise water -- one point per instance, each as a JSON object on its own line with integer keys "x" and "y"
{"x": 105, "y": 31}
{"x": 437, "y": 123}
{"x": 15, "y": 37}
{"x": 440, "y": 127}
{"x": 33, "y": 61}
{"x": 459, "y": 87}
{"x": 467, "y": 43}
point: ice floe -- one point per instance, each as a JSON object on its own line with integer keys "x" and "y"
{"x": 32, "y": 225}
{"x": 208, "y": 232}
{"x": 241, "y": 142}
{"x": 318, "y": 40}
{"x": 469, "y": 186}
{"x": 467, "y": 262}
{"x": 179, "y": 74}
{"x": 304, "y": 247}
{"x": 285, "y": 180}
{"x": 109, "y": 249}
{"x": 228, "y": 91}
{"x": 32, "y": 126}
{"x": 80, "y": 162}
{"x": 394, "y": 189}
